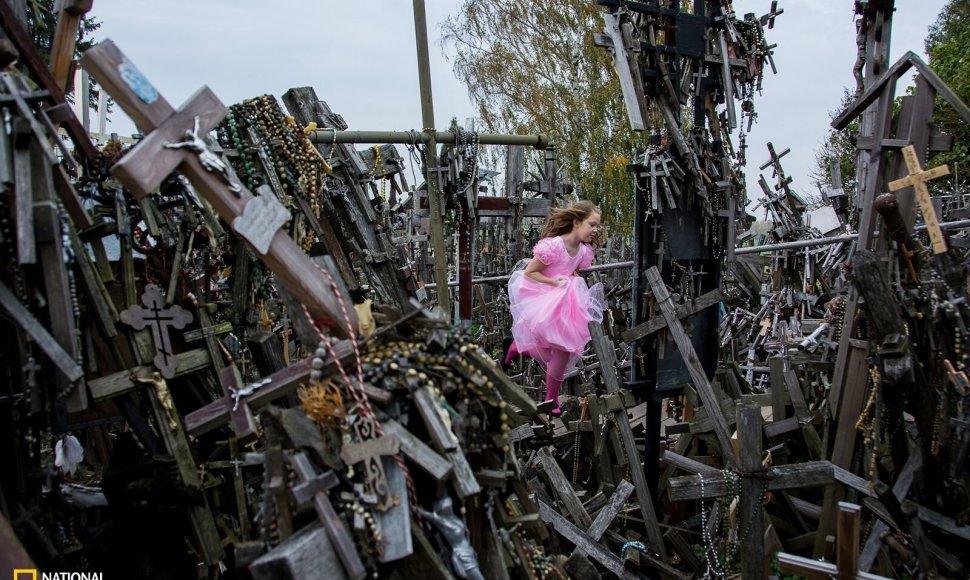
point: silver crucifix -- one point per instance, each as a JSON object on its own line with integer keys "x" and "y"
{"x": 193, "y": 142}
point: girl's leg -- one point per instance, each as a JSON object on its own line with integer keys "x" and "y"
{"x": 555, "y": 370}
{"x": 511, "y": 353}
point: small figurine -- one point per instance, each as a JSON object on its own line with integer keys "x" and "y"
{"x": 193, "y": 142}
{"x": 463, "y": 558}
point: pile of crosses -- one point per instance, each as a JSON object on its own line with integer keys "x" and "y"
{"x": 236, "y": 357}
{"x": 215, "y": 368}
{"x": 838, "y": 367}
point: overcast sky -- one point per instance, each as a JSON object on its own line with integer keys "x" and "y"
{"x": 360, "y": 58}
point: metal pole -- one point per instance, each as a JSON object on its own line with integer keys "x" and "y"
{"x": 496, "y": 279}
{"x": 834, "y": 239}
{"x": 431, "y": 157}
{"x": 414, "y": 137}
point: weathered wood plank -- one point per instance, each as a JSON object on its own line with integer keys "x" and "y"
{"x": 613, "y": 506}
{"x": 125, "y": 381}
{"x": 581, "y": 540}
{"x": 564, "y": 489}
{"x": 697, "y": 374}
{"x": 418, "y": 451}
{"x": 47, "y": 343}
{"x": 810, "y": 474}
{"x": 607, "y": 357}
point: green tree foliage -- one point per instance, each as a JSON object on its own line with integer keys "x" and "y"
{"x": 42, "y": 21}
{"x": 532, "y": 67}
{"x": 947, "y": 45}
{"x": 839, "y": 146}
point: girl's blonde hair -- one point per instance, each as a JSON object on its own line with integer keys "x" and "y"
{"x": 560, "y": 221}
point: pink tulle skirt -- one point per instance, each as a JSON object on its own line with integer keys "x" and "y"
{"x": 547, "y": 318}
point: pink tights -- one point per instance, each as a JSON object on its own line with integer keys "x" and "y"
{"x": 555, "y": 369}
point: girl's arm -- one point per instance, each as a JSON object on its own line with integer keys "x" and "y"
{"x": 534, "y": 270}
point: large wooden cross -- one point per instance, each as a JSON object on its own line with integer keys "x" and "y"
{"x": 175, "y": 140}
{"x": 711, "y": 483}
{"x": 917, "y": 179}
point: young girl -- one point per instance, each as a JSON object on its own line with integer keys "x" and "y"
{"x": 550, "y": 303}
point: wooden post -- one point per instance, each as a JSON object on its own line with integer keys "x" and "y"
{"x": 69, "y": 16}
{"x": 431, "y": 159}
{"x": 753, "y": 561}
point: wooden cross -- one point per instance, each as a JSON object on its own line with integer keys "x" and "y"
{"x": 917, "y": 179}
{"x": 241, "y": 417}
{"x": 769, "y": 18}
{"x": 162, "y": 150}
{"x": 712, "y": 483}
{"x": 689, "y": 308}
{"x": 595, "y": 549}
{"x": 847, "y": 567}
{"x": 313, "y": 488}
{"x": 156, "y": 316}
{"x": 631, "y": 83}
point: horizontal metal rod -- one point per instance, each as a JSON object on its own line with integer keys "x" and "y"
{"x": 493, "y": 279}
{"x": 833, "y": 240}
{"x": 795, "y": 245}
{"x": 745, "y": 250}
{"x": 415, "y": 137}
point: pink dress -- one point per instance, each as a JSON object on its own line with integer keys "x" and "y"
{"x": 546, "y": 317}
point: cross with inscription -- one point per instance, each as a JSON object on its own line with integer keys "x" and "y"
{"x": 159, "y": 318}
{"x": 917, "y": 179}
{"x": 174, "y": 140}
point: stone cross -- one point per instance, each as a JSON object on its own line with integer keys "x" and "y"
{"x": 917, "y": 179}
{"x": 159, "y": 318}
{"x": 159, "y": 153}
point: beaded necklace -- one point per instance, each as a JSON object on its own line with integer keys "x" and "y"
{"x": 467, "y": 144}
{"x": 709, "y": 547}
{"x": 367, "y": 424}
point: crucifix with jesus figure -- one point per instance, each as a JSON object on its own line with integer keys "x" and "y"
{"x": 176, "y": 140}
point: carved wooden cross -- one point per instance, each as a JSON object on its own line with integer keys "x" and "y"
{"x": 156, "y": 316}
{"x": 917, "y": 179}
{"x": 173, "y": 140}
{"x": 848, "y": 553}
